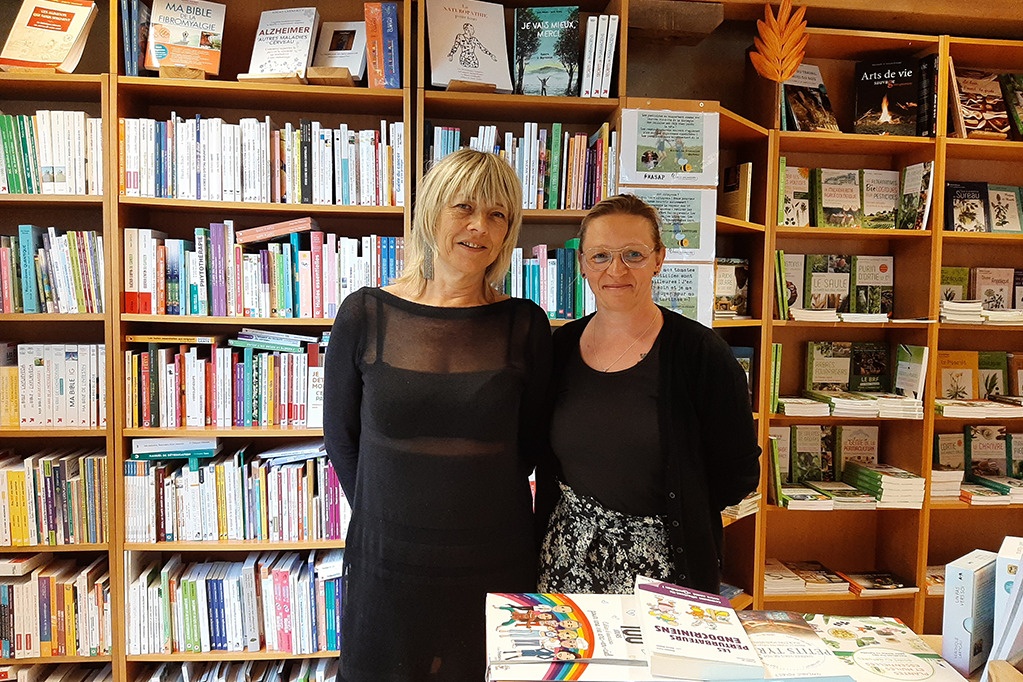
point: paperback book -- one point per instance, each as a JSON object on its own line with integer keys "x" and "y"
{"x": 807, "y": 102}
{"x": 979, "y": 107}
{"x": 467, "y": 43}
{"x": 966, "y": 206}
{"x": 546, "y": 49}
{"x": 284, "y": 41}
{"x": 49, "y": 34}
{"x": 837, "y": 198}
{"x": 790, "y": 649}
{"x": 342, "y": 44}
{"x": 915, "y": 191}
{"x": 187, "y": 33}
{"x": 1004, "y": 204}
{"x": 887, "y": 94}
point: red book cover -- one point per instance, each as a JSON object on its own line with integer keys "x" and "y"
{"x": 316, "y": 246}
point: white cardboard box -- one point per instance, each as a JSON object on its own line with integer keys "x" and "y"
{"x": 1010, "y": 555}
{"x": 968, "y": 616}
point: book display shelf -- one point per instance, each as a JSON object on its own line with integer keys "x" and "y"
{"x": 900, "y": 541}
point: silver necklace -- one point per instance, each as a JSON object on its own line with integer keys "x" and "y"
{"x": 634, "y": 342}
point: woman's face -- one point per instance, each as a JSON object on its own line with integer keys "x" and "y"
{"x": 619, "y": 287}
{"x": 469, "y": 236}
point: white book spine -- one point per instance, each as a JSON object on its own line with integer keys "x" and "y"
{"x": 589, "y": 56}
{"x": 215, "y": 164}
{"x": 609, "y": 56}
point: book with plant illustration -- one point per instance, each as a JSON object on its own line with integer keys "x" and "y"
{"x": 1005, "y": 215}
{"x": 966, "y": 206}
{"x": 955, "y": 283}
{"x": 958, "y": 373}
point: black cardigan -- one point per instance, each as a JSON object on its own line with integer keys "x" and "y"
{"x": 708, "y": 436}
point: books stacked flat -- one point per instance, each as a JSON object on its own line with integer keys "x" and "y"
{"x": 1004, "y": 485}
{"x": 894, "y": 488}
{"x": 749, "y": 505}
{"x": 934, "y": 581}
{"x": 800, "y": 498}
{"x": 846, "y": 403}
{"x": 1006, "y": 406}
{"x": 844, "y": 496}
{"x": 794, "y": 406}
{"x": 174, "y": 448}
{"x": 970, "y": 409}
{"x": 780, "y": 579}
{"x": 977, "y": 494}
{"x": 1004, "y": 316}
{"x": 895, "y": 406}
{"x": 877, "y": 584}
{"x": 869, "y": 318}
{"x": 811, "y": 315}
{"x": 945, "y": 484}
{"x": 962, "y": 312}
{"x": 818, "y": 578}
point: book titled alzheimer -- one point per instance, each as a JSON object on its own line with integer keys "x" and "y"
{"x": 693, "y": 635}
{"x": 187, "y": 33}
{"x": 467, "y": 43}
{"x": 48, "y": 34}
{"x": 284, "y": 41}
{"x": 546, "y": 57}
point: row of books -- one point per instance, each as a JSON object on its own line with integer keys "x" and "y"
{"x": 857, "y": 284}
{"x": 302, "y": 670}
{"x": 255, "y": 160}
{"x": 998, "y": 407}
{"x": 662, "y": 631}
{"x": 854, "y": 198}
{"x": 980, "y": 375}
{"x": 813, "y": 577}
{"x": 558, "y": 169}
{"x": 995, "y": 288}
{"x": 983, "y": 207}
{"x": 986, "y": 105}
{"x": 894, "y": 95}
{"x": 814, "y": 452}
{"x": 51, "y": 672}
{"x": 55, "y": 607}
{"x": 865, "y": 366}
{"x": 53, "y": 497}
{"x": 283, "y": 601}
{"x": 53, "y": 385}
{"x": 288, "y": 494}
{"x": 46, "y": 270}
{"x": 51, "y": 152}
{"x": 260, "y": 378}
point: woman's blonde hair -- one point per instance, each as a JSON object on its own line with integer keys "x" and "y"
{"x": 465, "y": 174}
{"x": 624, "y": 204}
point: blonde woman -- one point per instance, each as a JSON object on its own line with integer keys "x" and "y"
{"x": 652, "y": 432}
{"x": 433, "y": 413}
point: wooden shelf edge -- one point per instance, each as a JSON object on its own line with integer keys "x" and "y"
{"x": 53, "y": 432}
{"x": 232, "y": 545}
{"x": 228, "y": 321}
{"x": 268, "y": 208}
{"x": 106, "y": 658}
{"x": 214, "y": 656}
{"x": 237, "y": 432}
{"x": 36, "y": 549}
{"x": 834, "y": 596}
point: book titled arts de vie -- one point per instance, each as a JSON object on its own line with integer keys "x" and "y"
{"x": 693, "y": 635}
{"x": 186, "y": 33}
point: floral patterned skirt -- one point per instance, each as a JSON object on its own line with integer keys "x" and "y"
{"x": 589, "y": 548}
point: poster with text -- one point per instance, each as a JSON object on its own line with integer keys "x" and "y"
{"x": 687, "y": 288}
{"x": 688, "y": 220}
{"x": 669, "y": 148}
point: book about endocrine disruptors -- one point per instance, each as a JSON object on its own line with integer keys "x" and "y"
{"x": 693, "y": 634}
{"x": 186, "y": 33}
{"x": 467, "y": 43}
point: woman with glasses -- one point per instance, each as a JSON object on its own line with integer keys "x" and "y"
{"x": 434, "y": 411}
{"x": 652, "y": 433}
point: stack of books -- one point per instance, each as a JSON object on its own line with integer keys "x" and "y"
{"x": 1005, "y": 406}
{"x": 810, "y": 315}
{"x": 895, "y": 406}
{"x": 846, "y": 403}
{"x": 749, "y": 505}
{"x": 870, "y": 318}
{"x": 963, "y": 312}
{"x": 945, "y": 484}
{"x": 844, "y": 496}
{"x": 793, "y": 406}
{"x": 818, "y": 578}
{"x": 934, "y": 581}
{"x": 780, "y": 579}
{"x": 977, "y": 494}
{"x": 801, "y": 498}
{"x": 893, "y": 488}
{"x": 877, "y": 584}
{"x": 1005, "y": 316}
{"x": 1004, "y": 485}
{"x": 972, "y": 409}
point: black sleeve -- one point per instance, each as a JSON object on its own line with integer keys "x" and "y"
{"x": 727, "y": 431}
{"x": 342, "y": 392}
{"x": 534, "y": 413}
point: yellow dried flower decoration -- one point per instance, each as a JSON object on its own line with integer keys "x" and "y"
{"x": 780, "y": 45}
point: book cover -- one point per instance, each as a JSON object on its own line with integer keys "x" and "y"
{"x": 855, "y": 443}
{"x": 796, "y": 197}
{"x": 915, "y": 196}
{"x": 879, "y": 197}
{"x": 992, "y": 373}
{"x": 546, "y": 51}
{"x": 682, "y": 631}
{"x": 955, "y": 283}
{"x": 967, "y": 622}
{"x": 807, "y": 102}
{"x": 49, "y": 34}
{"x": 1012, "y": 91}
{"x": 826, "y": 279}
{"x": 731, "y": 286}
{"x": 986, "y": 450}
{"x": 887, "y": 95}
{"x": 836, "y": 197}
{"x": 186, "y": 33}
{"x": 877, "y": 583}
{"x": 966, "y": 206}
{"x": 284, "y": 41}
{"x": 467, "y": 43}
{"x": 342, "y": 43}
{"x": 790, "y": 649}
{"x": 980, "y": 106}
{"x": 992, "y": 286}
{"x": 1004, "y": 204}
{"x": 734, "y": 191}
{"x": 872, "y": 284}
{"x": 958, "y": 374}
{"x": 870, "y": 367}
{"x": 812, "y": 455}
{"x": 910, "y": 370}
{"x": 949, "y": 452}
{"x": 828, "y": 365}
{"x": 794, "y": 264}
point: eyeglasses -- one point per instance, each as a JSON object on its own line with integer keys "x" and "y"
{"x": 633, "y": 255}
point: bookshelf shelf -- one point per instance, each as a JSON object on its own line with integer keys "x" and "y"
{"x": 857, "y": 233}
{"x": 459, "y": 105}
{"x": 232, "y": 545}
{"x": 61, "y": 659}
{"x": 752, "y": 322}
{"x": 801, "y": 324}
{"x": 983, "y": 237}
{"x": 241, "y": 207}
{"x": 983, "y": 150}
{"x": 52, "y": 87}
{"x": 236, "y": 432}
{"x": 63, "y": 200}
{"x": 785, "y": 419}
{"x": 193, "y": 320}
{"x": 548, "y": 217}
{"x": 214, "y": 656}
{"x": 52, "y": 432}
{"x": 832, "y": 597}
{"x": 33, "y": 549}
{"x": 726, "y": 225}
{"x": 742, "y": 601}
{"x": 852, "y": 144}
{"x": 52, "y": 317}
{"x": 951, "y": 422}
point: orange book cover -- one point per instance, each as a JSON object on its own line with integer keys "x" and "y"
{"x": 186, "y": 33}
{"x": 374, "y": 45}
{"x": 958, "y": 374}
{"x": 264, "y": 232}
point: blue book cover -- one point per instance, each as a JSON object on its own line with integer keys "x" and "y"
{"x": 30, "y": 239}
{"x": 296, "y": 285}
{"x": 392, "y": 42}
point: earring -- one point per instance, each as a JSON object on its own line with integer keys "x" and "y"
{"x": 427, "y": 263}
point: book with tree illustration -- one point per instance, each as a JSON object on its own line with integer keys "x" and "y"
{"x": 546, "y": 51}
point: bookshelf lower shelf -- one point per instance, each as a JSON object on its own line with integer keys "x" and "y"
{"x": 832, "y": 596}
{"x": 232, "y": 545}
{"x": 57, "y": 659}
{"x": 214, "y": 656}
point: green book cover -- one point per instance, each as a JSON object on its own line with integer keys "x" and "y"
{"x": 776, "y": 352}
{"x": 836, "y": 197}
{"x": 781, "y": 183}
{"x": 1005, "y": 215}
{"x": 554, "y": 176}
{"x": 910, "y": 370}
{"x": 914, "y": 196}
{"x": 1012, "y": 91}
{"x": 780, "y": 291}
{"x": 879, "y": 198}
{"x": 826, "y": 279}
{"x": 855, "y": 443}
{"x": 811, "y": 453}
{"x": 949, "y": 452}
{"x": 955, "y": 283}
{"x": 870, "y": 367}
{"x": 986, "y": 451}
{"x": 828, "y": 365}
{"x": 993, "y": 366}
{"x": 795, "y": 198}
{"x": 872, "y": 284}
